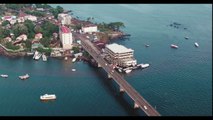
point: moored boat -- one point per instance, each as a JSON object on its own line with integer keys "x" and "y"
{"x": 23, "y": 77}
{"x": 4, "y": 76}
{"x": 174, "y": 46}
{"x": 37, "y": 55}
{"x": 74, "y": 59}
{"x": 44, "y": 57}
{"x": 46, "y": 97}
{"x": 128, "y": 71}
{"x": 144, "y": 65}
{"x": 196, "y": 44}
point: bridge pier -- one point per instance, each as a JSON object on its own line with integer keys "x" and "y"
{"x": 136, "y": 105}
{"x": 122, "y": 89}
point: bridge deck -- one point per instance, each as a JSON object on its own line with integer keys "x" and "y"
{"x": 137, "y": 98}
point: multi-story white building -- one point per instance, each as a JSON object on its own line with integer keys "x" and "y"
{"x": 30, "y": 17}
{"x": 65, "y": 19}
{"x": 120, "y": 55}
{"x": 65, "y": 37}
{"x": 89, "y": 28}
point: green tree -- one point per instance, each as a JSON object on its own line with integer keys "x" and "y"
{"x": 45, "y": 41}
{"x": 116, "y": 25}
{"x": 49, "y": 28}
{"x": 4, "y": 23}
{"x": 20, "y": 29}
{"x": 76, "y": 49}
{"x": 60, "y": 9}
{"x": 29, "y": 24}
{"x": 38, "y": 29}
{"x": 9, "y": 45}
{"x": 28, "y": 44}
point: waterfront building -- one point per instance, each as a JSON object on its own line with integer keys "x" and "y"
{"x": 120, "y": 55}
{"x": 89, "y": 28}
{"x": 65, "y": 19}
{"x": 65, "y": 37}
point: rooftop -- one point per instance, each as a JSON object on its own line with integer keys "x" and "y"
{"x": 116, "y": 48}
{"x": 65, "y": 29}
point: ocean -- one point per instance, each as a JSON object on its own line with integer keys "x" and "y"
{"x": 178, "y": 81}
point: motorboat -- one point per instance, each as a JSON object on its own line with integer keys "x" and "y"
{"x": 128, "y": 71}
{"x": 74, "y": 59}
{"x": 186, "y": 38}
{"x": 44, "y": 57}
{"x": 4, "y": 76}
{"x": 37, "y": 55}
{"x": 24, "y": 77}
{"x": 196, "y": 44}
{"x": 47, "y": 97}
{"x": 174, "y": 46}
{"x": 144, "y": 65}
{"x": 73, "y": 70}
{"x": 147, "y": 45}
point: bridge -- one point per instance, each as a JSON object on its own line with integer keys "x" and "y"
{"x": 139, "y": 101}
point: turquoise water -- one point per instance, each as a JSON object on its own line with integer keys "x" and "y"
{"x": 178, "y": 82}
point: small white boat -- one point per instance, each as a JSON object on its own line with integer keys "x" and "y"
{"x": 120, "y": 70}
{"x": 29, "y": 53}
{"x": 74, "y": 59}
{"x": 196, "y": 44}
{"x": 147, "y": 45}
{"x": 44, "y": 57}
{"x": 73, "y": 70}
{"x": 4, "y": 76}
{"x": 48, "y": 97}
{"x": 144, "y": 65}
{"x": 24, "y": 77}
{"x": 128, "y": 71}
{"x": 174, "y": 46}
{"x": 65, "y": 58}
{"x": 37, "y": 55}
{"x": 186, "y": 38}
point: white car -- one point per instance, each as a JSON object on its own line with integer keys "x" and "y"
{"x": 145, "y": 107}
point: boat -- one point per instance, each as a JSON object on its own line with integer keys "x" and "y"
{"x": 44, "y": 57}
{"x": 186, "y": 38}
{"x": 120, "y": 70}
{"x": 37, "y": 55}
{"x": 144, "y": 65}
{"x": 196, "y": 44}
{"x": 65, "y": 58}
{"x": 128, "y": 71}
{"x": 147, "y": 45}
{"x": 4, "y": 76}
{"x": 74, "y": 59}
{"x": 29, "y": 53}
{"x": 174, "y": 46}
{"x": 48, "y": 97}
{"x": 24, "y": 77}
{"x": 73, "y": 70}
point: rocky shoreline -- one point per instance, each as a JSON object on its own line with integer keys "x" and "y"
{"x": 11, "y": 54}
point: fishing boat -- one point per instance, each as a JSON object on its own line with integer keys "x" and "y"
{"x": 47, "y": 97}
{"x": 196, "y": 44}
{"x": 24, "y": 77}
{"x": 174, "y": 46}
{"x": 44, "y": 57}
{"x": 4, "y": 76}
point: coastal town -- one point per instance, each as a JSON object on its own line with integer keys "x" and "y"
{"x": 41, "y": 31}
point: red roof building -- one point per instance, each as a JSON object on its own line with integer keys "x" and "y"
{"x": 65, "y": 29}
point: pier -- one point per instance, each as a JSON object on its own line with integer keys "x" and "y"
{"x": 139, "y": 101}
